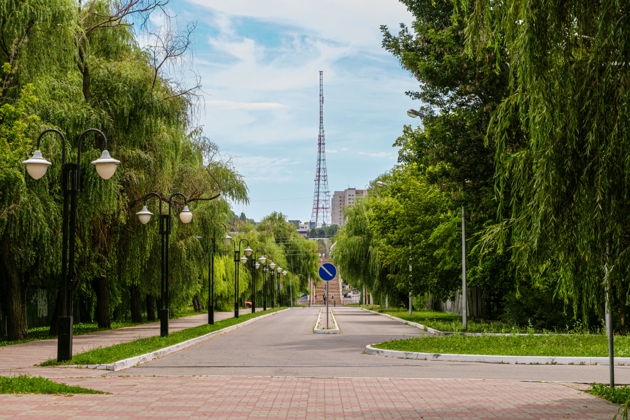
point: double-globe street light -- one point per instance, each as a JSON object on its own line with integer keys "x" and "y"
{"x": 247, "y": 252}
{"x": 185, "y": 216}
{"x": 284, "y": 274}
{"x": 255, "y": 264}
{"x": 36, "y": 167}
{"x": 211, "y": 299}
{"x": 272, "y": 284}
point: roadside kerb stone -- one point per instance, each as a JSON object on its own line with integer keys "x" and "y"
{"x": 320, "y": 330}
{"x": 143, "y": 358}
{"x": 517, "y": 360}
{"x": 413, "y": 324}
{"x": 446, "y": 333}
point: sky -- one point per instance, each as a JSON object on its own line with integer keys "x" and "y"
{"x": 258, "y": 63}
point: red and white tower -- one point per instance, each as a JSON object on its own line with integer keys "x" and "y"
{"x": 321, "y": 197}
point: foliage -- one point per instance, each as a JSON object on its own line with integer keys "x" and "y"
{"x": 562, "y": 142}
{"x": 25, "y": 384}
{"x": 448, "y": 322}
{"x": 74, "y": 68}
{"x": 514, "y": 345}
{"x": 323, "y": 232}
{"x": 617, "y": 395}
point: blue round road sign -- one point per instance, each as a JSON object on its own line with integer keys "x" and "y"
{"x": 327, "y": 271}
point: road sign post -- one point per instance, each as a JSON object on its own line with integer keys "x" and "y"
{"x": 327, "y": 272}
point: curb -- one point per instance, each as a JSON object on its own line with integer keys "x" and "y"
{"x": 147, "y": 357}
{"x": 318, "y": 330}
{"x": 446, "y": 333}
{"x": 413, "y": 324}
{"x": 516, "y": 360}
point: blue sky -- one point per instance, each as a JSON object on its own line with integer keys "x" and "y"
{"x": 258, "y": 62}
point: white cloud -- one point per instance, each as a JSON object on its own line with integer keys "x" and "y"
{"x": 376, "y": 154}
{"x": 353, "y": 21}
{"x": 263, "y": 168}
{"x": 260, "y": 91}
{"x": 250, "y": 106}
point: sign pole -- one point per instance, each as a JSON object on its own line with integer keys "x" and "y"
{"x": 327, "y": 305}
{"x": 327, "y": 272}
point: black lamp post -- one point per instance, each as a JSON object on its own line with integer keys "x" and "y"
{"x": 185, "y": 216}
{"x": 284, "y": 275}
{"x": 279, "y": 272}
{"x": 264, "y": 287}
{"x": 272, "y": 275}
{"x": 256, "y": 263}
{"x": 213, "y": 250}
{"x": 237, "y": 258}
{"x": 36, "y": 167}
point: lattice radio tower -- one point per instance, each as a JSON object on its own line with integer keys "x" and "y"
{"x": 321, "y": 197}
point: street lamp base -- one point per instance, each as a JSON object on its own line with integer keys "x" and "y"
{"x": 64, "y": 340}
{"x": 163, "y": 322}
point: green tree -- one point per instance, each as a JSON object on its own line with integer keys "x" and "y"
{"x": 564, "y": 189}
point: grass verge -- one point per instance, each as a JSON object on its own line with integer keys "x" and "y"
{"x": 145, "y": 345}
{"x": 619, "y": 395}
{"x": 37, "y": 385}
{"x": 41, "y": 333}
{"x": 448, "y": 322}
{"x": 522, "y": 345}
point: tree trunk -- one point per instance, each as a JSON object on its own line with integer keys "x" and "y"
{"x": 136, "y": 307}
{"x": 151, "y": 308}
{"x": 15, "y": 306}
{"x": 197, "y": 304}
{"x": 103, "y": 303}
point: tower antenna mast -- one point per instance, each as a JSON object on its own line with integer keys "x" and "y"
{"x": 321, "y": 196}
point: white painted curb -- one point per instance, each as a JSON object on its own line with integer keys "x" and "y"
{"x": 404, "y": 321}
{"x": 319, "y": 330}
{"x": 445, "y": 333}
{"x": 143, "y": 358}
{"x": 517, "y": 360}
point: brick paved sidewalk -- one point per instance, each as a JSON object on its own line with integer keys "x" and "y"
{"x": 310, "y": 398}
{"x": 25, "y": 355}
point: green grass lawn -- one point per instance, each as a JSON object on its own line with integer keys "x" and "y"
{"x": 527, "y": 345}
{"x": 41, "y": 333}
{"x": 145, "y": 345}
{"x": 618, "y": 395}
{"x": 38, "y": 385}
{"x": 448, "y": 322}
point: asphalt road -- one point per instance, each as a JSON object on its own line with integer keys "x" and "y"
{"x": 285, "y": 345}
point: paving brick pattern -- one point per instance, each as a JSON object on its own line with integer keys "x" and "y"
{"x": 25, "y": 355}
{"x": 310, "y": 398}
{"x": 280, "y": 397}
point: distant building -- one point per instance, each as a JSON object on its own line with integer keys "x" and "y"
{"x": 342, "y": 199}
{"x": 303, "y": 229}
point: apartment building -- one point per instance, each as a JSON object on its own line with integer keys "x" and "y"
{"x": 340, "y": 200}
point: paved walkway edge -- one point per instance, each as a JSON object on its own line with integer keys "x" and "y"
{"x": 404, "y": 321}
{"x": 143, "y": 358}
{"x": 319, "y": 330}
{"x": 517, "y": 360}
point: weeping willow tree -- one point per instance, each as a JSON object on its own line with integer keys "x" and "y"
{"x": 32, "y": 39}
{"x": 78, "y": 67}
{"x": 356, "y": 249}
{"x": 563, "y": 142}
{"x": 286, "y": 247}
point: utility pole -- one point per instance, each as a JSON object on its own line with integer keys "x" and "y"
{"x": 464, "y": 293}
